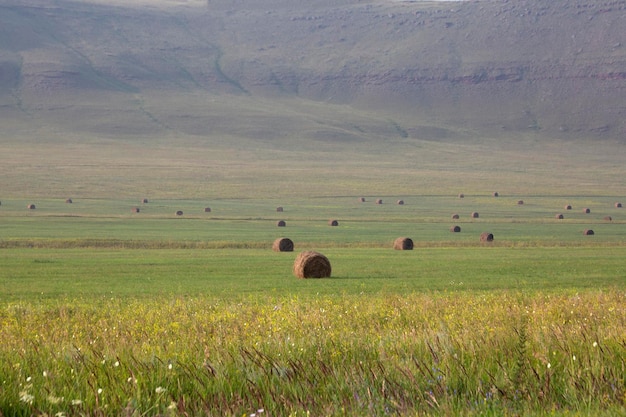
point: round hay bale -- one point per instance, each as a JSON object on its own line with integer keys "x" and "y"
{"x": 608, "y": 218}
{"x": 486, "y": 237}
{"x": 495, "y": 194}
{"x": 400, "y": 202}
{"x": 281, "y": 223}
{"x": 69, "y": 201}
{"x": 455, "y": 216}
{"x": 520, "y": 202}
{"x": 559, "y": 216}
{"x": 333, "y": 223}
{"x": 618, "y": 205}
{"x": 568, "y": 207}
{"x": 403, "y": 243}
{"x": 475, "y": 215}
{"x": 31, "y": 207}
{"x": 179, "y": 213}
{"x": 362, "y": 200}
{"x": 311, "y": 264}
{"x": 379, "y": 201}
{"x": 282, "y": 244}
{"x": 461, "y": 195}
{"x": 455, "y": 229}
{"x": 135, "y": 210}
{"x": 207, "y": 209}
{"x": 586, "y": 210}
{"x": 144, "y": 201}
{"x": 279, "y": 209}
{"x": 588, "y": 232}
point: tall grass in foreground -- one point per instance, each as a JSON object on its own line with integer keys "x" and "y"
{"x": 499, "y": 353}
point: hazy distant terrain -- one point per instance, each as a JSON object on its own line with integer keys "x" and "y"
{"x": 435, "y": 68}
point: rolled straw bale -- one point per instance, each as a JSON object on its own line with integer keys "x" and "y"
{"x": 495, "y": 194}
{"x": 31, "y": 207}
{"x": 586, "y": 210}
{"x": 455, "y": 229}
{"x": 568, "y": 207}
{"x": 475, "y": 215}
{"x": 179, "y": 213}
{"x": 588, "y": 232}
{"x": 135, "y": 209}
{"x": 279, "y": 209}
{"x": 486, "y": 237}
{"x": 333, "y": 223}
{"x": 362, "y": 200}
{"x": 559, "y": 216}
{"x": 461, "y": 195}
{"x": 618, "y": 205}
{"x": 400, "y": 202}
{"x": 403, "y": 243}
{"x": 282, "y": 244}
{"x": 608, "y": 218}
{"x": 207, "y": 209}
{"x": 69, "y": 201}
{"x": 455, "y": 216}
{"x": 144, "y": 201}
{"x": 281, "y": 223}
{"x": 311, "y": 264}
{"x": 520, "y": 202}
{"x": 379, "y": 201}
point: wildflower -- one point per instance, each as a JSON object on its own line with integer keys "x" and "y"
{"x": 76, "y": 402}
{"x": 28, "y": 379}
{"x": 99, "y": 390}
{"x": 160, "y": 390}
{"x": 172, "y": 406}
{"x": 169, "y": 366}
{"x": 574, "y": 357}
{"x": 45, "y": 374}
{"x": 54, "y": 400}
{"x": 27, "y": 398}
{"x": 595, "y": 344}
{"x": 549, "y": 365}
{"x": 60, "y": 414}
{"x": 116, "y": 364}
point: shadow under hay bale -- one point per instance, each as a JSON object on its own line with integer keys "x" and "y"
{"x": 568, "y": 207}
{"x": 486, "y": 237}
{"x": 475, "y": 215}
{"x": 608, "y": 218}
{"x": 279, "y": 209}
{"x": 282, "y": 244}
{"x": 588, "y": 232}
{"x": 281, "y": 223}
{"x": 135, "y": 210}
{"x": 618, "y": 205}
{"x": 400, "y": 202}
{"x": 586, "y": 210}
{"x": 559, "y": 216}
{"x": 455, "y": 229}
{"x": 379, "y": 201}
{"x": 311, "y": 264}
{"x": 144, "y": 201}
{"x": 455, "y": 216}
{"x": 403, "y": 243}
{"x": 333, "y": 223}
{"x": 179, "y": 213}
{"x": 69, "y": 201}
{"x": 207, "y": 209}
{"x": 31, "y": 207}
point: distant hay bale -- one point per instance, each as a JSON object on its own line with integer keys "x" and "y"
{"x": 559, "y": 216}
{"x": 455, "y": 216}
{"x": 455, "y": 229}
{"x": 135, "y": 209}
{"x": 400, "y": 202}
{"x": 311, "y": 264}
{"x": 588, "y": 232}
{"x": 379, "y": 201}
{"x": 486, "y": 237}
{"x": 568, "y": 207}
{"x": 282, "y": 244}
{"x": 179, "y": 213}
{"x": 403, "y": 243}
{"x": 520, "y": 202}
{"x": 144, "y": 201}
{"x": 618, "y": 205}
{"x": 608, "y": 218}
{"x": 207, "y": 209}
{"x": 281, "y": 223}
{"x": 69, "y": 201}
{"x": 362, "y": 200}
{"x": 475, "y": 215}
{"x": 586, "y": 210}
{"x": 461, "y": 195}
{"x": 495, "y": 194}
{"x": 333, "y": 223}
{"x": 31, "y": 207}
{"x": 279, "y": 209}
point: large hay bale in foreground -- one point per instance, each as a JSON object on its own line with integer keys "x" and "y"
{"x": 588, "y": 232}
{"x": 311, "y": 264}
{"x": 281, "y": 223}
{"x": 282, "y": 244}
{"x": 455, "y": 229}
{"x": 486, "y": 237}
{"x": 333, "y": 223}
{"x": 403, "y": 243}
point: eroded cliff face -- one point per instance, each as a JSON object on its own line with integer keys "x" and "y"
{"x": 557, "y": 67}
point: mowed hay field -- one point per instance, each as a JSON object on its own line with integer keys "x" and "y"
{"x": 110, "y": 311}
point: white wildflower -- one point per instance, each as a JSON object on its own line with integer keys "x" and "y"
{"x": 160, "y": 390}
{"x": 27, "y": 398}
{"x": 549, "y": 365}
{"x": 595, "y": 344}
{"x": 76, "y": 402}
